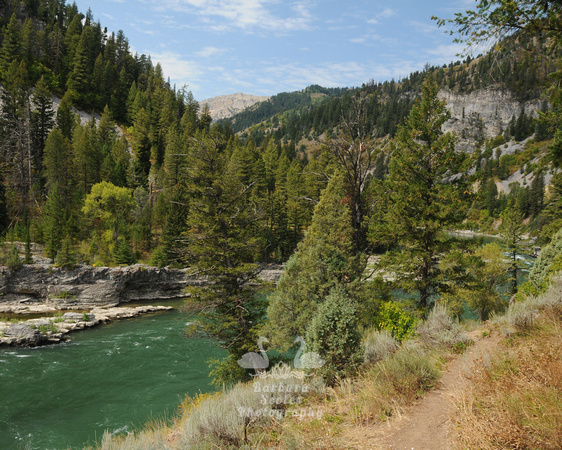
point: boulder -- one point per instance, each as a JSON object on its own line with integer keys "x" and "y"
{"x": 23, "y": 334}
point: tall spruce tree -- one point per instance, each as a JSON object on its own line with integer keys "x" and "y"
{"x": 324, "y": 259}
{"x": 422, "y": 203}
{"x": 222, "y": 245}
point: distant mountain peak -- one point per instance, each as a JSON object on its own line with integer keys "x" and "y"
{"x": 226, "y": 106}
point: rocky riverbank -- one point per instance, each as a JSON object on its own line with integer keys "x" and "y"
{"x": 100, "y": 294}
{"x": 88, "y": 287}
{"x": 51, "y": 330}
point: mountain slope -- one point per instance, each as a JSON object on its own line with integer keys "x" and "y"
{"x": 226, "y": 106}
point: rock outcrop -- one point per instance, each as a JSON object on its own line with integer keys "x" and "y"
{"x": 483, "y": 114}
{"x": 88, "y": 287}
{"x": 51, "y": 330}
{"x": 226, "y": 106}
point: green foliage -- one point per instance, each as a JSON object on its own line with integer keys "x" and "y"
{"x": 398, "y": 322}
{"x": 159, "y": 258}
{"x": 421, "y": 202}
{"x": 488, "y": 273}
{"x": 548, "y": 262}
{"x": 222, "y": 243}
{"x": 334, "y": 336}
{"x": 14, "y": 262}
{"x": 123, "y": 253}
{"x": 108, "y": 208}
{"x": 324, "y": 259}
{"x": 496, "y": 19}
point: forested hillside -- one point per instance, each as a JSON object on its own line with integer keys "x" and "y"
{"x": 520, "y": 67}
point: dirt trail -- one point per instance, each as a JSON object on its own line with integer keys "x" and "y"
{"x": 427, "y": 425}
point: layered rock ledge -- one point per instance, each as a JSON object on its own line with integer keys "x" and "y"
{"x": 99, "y": 293}
{"x": 88, "y": 287}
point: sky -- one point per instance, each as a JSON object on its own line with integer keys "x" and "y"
{"x": 264, "y": 47}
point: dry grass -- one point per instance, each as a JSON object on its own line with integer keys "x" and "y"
{"x": 382, "y": 390}
{"x": 515, "y": 401}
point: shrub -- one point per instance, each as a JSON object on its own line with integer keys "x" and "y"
{"x": 548, "y": 262}
{"x": 395, "y": 320}
{"x": 14, "y": 262}
{"x": 522, "y": 315}
{"x": 334, "y": 336}
{"x": 378, "y": 345}
{"x": 223, "y": 420}
{"x": 440, "y": 330}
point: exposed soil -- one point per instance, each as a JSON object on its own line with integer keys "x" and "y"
{"x": 428, "y": 424}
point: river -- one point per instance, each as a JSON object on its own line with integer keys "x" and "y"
{"x": 116, "y": 377}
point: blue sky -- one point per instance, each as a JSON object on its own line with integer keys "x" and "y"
{"x": 264, "y": 47}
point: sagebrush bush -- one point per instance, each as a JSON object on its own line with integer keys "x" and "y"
{"x": 440, "y": 330}
{"x": 522, "y": 315}
{"x": 389, "y": 385}
{"x": 226, "y": 420}
{"x": 334, "y": 336}
{"x": 378, "y": 345}
{"x": 222, "y": 420}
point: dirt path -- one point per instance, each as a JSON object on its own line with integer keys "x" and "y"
{"x": 427, "y": 425}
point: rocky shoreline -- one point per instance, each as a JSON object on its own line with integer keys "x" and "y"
{"x": 52, "y": 330}
{"x": 69, "y": 300}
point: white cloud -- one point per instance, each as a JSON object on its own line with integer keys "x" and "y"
{"x": 248, "y": 15}
{"x": 424, "y": 27}
{"x": 384, "y": 14}
{"x": 207, "y": 52}
{"x": 446, "y": 53}
{"x": 180, "y": 71}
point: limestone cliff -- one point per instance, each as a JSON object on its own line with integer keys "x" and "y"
{"x": 227, "y": 106}
{"x": 88, "y": 287}
{"x": 482, "y": 114}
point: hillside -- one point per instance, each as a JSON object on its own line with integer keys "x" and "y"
{"x": 226, "y": 106}
{"x": 484, "y": 94}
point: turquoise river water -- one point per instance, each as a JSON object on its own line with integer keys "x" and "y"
{"x": 113, "y": 377}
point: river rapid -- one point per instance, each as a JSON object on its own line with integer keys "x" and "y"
{"x": 114, "y": 377}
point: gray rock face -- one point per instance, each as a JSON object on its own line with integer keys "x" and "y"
{"x": 23, "y": 334}
{"x": 483, "y": 113}
{"x": 88, "y": 287}
{"x": 226, "y": 106}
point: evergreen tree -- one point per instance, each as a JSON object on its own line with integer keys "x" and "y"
{"x": 422, "y": 203}
{"x": 66, "y": 256}
{"x": 11, "y": 45}
{"x": 334, "y": 335}
{"x": 511, "y": 231}
{"x": 42, "y": 119}
{"x": 66, "y": 119}
{"x": 4, "y": 218}
{"x": 325, "y": 259}
{"x": 222, "y": 243}
{"x": 176, "y": 226}
{"x": 123, "y": 253}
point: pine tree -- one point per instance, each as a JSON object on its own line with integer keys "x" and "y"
{"x": 422, "y": 203}
{"x": 325, "y": 259}
{"x": 511, "y": 231}
{"x": 42, "y": 119}
{"x": 66, "y": 257}
{"x": 4, "y": 218}
{"x": 222, "y": 243}
{"x": 80, "y": 79}
{"x": 66, "y": 119}
{"x": 11, "y": 45}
